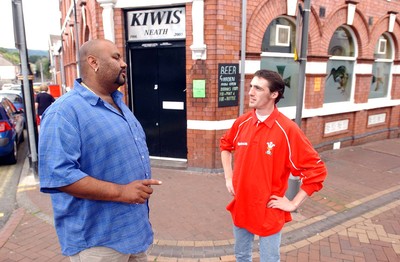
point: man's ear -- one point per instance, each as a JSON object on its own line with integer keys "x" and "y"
{"x": 92, "y": 61}
{"x": 274, "y": 94}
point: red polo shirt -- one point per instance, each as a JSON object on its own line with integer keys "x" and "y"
{"x": 265, "y": 153}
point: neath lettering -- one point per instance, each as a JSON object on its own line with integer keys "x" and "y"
{"x": 156, "y": 32}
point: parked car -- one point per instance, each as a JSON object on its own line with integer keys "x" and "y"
{"x": 15, "y": 97}
{"x": 16, "y": 87}
{"x": 12, "y": 124}
{"x": 36, "y": 89}
{"x": 6, "y": 86}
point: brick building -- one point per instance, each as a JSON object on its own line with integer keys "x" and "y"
{"x": 184, "y": 59}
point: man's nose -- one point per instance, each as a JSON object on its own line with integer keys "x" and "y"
{"x": 250, "y": 90}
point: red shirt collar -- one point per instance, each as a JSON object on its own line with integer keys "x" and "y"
{"x": 270, "y": 120}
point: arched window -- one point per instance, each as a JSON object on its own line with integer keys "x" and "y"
{"x": 277, "y": 55}
{"x": 338, "y": 86}
{"x": 86, "y": 36}
{"x": 381, "y": 69}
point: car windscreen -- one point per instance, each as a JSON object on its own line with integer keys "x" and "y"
{"x": 12, "y": 97}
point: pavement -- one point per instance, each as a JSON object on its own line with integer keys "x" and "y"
{"x": 355, "y": 217}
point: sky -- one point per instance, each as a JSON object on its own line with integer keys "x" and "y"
{"x": 41, "y": 18}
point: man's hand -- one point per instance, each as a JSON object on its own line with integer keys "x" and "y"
{"x": 285, "y": 204}
{"x": 226, "y": 158}
{"x": 138, "y": 191}
{"x": 229, "y": 186}
{"x": 282, "y": 203}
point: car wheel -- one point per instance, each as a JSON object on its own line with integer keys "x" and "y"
{"x": 12, "y": 157}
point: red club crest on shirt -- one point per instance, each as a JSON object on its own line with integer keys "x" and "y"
{"x": 270, "y": 146}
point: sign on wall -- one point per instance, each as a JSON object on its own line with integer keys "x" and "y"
{"x": 199, "y": 88}
{"x": 228, "y": 84}
{"x": 156, "y": 24}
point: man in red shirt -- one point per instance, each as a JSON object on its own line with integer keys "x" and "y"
{"x": 267, "y": 148}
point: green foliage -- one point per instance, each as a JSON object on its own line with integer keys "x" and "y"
{"x": 41, "y": 63}
{"x": 34, "y": 58}
{"x": 12, "y": 56}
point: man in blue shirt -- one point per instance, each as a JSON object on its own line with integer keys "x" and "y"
{"x": 94, "y": 161}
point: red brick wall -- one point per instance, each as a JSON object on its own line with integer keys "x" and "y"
{"x": 223, "y": 37}
{"x": 360, "y": 122}
{"x": 96, "y": 31}
{"x": 220, "y": 16}
{"x": 396, "y": 87}
{"x": 394, "y": 122}
{"x": 314, "y": 91}
{"x": 313, "y": 128}
{"x": 362, "y": 87}
{"x": 337, "y": 136}
{"x": 395, "y": 93}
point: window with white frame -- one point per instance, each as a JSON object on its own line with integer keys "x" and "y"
{"x": 278, "y": 55}
{"x": 340, "y": 67}
{"x": 381, "y": 69}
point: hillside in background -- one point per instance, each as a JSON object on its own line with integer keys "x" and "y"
{"x": 38, "y": 59}
{"x": 39, "y": 53}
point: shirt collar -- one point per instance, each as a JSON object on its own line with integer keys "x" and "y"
{"x": 269, "y": 121}
{"x": 91, "y": 97}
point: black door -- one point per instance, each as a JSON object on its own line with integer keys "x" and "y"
{"x": 159, "y": 99}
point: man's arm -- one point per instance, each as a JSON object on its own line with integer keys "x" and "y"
{"x": 136, "y": 192}
{"x": 308, "y": 166}
{"x": 226, "y": 159}
{"x": 285, "y": 204}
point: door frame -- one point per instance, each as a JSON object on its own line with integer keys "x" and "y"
{"x": 144, "y": 45}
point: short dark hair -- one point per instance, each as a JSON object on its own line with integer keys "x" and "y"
{"x": 275, "y": 81}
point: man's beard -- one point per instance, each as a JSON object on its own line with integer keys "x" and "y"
{"x": 120, "y": 80}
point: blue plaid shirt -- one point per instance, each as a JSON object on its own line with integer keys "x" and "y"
{"x": 82, "y": 135}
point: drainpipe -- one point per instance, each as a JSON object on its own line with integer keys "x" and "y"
{"x": 76, "y": 41}
{"x": 243, "y": 57}
{"x": 294, "y": 182}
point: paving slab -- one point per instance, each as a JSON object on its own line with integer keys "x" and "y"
{"x": 353, "y": 218}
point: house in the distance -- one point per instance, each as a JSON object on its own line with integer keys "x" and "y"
{"x": 8, "y": 72}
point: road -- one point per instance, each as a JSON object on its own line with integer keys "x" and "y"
{"x": 9, "y": 178}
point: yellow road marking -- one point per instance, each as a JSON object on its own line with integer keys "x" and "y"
{"x": 7, "y": 177}
{"x": 22, "y": 189}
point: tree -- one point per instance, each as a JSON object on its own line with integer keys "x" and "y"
{"x": 42, "y": 63}
{"x": 38, "y": 62}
